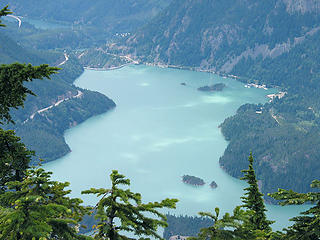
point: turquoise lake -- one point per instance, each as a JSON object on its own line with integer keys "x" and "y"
{"x": 160, "y": 131}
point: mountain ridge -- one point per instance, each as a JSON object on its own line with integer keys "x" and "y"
{"x": 203, "y": 39}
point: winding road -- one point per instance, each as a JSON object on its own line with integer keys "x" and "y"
{"x": 17, "y": 18}
{"x": 79, "y": 95}
{"x": 66, "y": 58}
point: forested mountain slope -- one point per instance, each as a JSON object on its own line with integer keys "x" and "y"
{"x": 272, "y": 42}
{"x": 77, "y": 24}
{"x": 43, "y": 131}
{"x": 217, "y": 35}
{"x": 109, "y": 16}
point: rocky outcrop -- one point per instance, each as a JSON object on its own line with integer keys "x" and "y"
{"x": 264, "y": 50}
{"x": 217, "y": 36}
{"x": 302, "y": 6}
{"x": 213, "y": 185}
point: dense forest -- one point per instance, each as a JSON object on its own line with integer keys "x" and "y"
{"x": 274, "y": 135}
{"x": 185, "y": 225}
{"x": 98, "y": 13}
{"x": 286, "y": 134}
{"x": 79, "y": 25}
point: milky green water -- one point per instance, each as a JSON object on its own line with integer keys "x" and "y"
{"x": 159, "y": 131}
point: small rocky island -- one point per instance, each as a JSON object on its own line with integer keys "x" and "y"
{"x": 192, "y": 180}
{"x": 213, "y": 185}
{"x": 213, "y": 88}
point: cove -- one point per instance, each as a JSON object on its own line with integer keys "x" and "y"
{"x": 160, "y": 131}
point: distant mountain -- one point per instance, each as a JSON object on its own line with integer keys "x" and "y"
{"x": 274, "y": 42}
{"x": 78, "y": 24}
{"x": 43, "y": 132}
{"x": 120, "y": 15}
{"x": 219, "y": 35}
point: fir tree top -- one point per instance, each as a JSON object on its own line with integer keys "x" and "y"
{"x": 253, "y": 199}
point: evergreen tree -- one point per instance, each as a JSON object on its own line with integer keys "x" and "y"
{"x": 250, "y": 223}
{"x": 253, "y": 200}
{"x": 12, "y": 91}
{"x": 228, "y": 227}
{"x": 40, "y": 209}
{"x": 14, "y": 158}
{"x": 122, "y": 210}
{"x": 4, "y": 12}
{"x": 307, "y": 226}
{"x": 12, "y": 77}
{"x": 237, "y": 227}
{"x": 31, "y": 205}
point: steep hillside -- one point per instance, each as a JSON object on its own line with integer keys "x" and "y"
{"x": 271, "y": 42}
{"x": 88, "y": 21}
{"x": 96, "y": 13}
{"x": 75, "y": 24}
{"x": 217, "y": 35}
{"x": 58, "y": 104}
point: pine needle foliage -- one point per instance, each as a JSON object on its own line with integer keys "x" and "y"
{"x": 253, "y": 200}
{"x": 228, "y": 227}
{"x": 12, "y": 91}
{"x": 4, "y": 12}
{"x": 40, "y": 209}
{"x": 248, "y": 221}
{"x": 14, "y": 158}
{"x": 122, "y": 210}
{"x": 307, "y": 225}
{"x": 12, "y": 77}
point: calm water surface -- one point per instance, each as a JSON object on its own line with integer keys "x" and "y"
{"x": 159, "y": 131}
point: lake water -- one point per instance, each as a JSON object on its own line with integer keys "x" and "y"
{"x": 160, "y": 131}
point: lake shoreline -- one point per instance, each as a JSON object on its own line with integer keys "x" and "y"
{"x": 157, "y": 66}
{"x": 142, "y": 138}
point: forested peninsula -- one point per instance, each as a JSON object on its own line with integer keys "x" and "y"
{"x": 58, "y": 105}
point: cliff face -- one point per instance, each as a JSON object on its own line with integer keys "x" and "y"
{"x": 302, "y": 6}
{"x": 217, "y": 35}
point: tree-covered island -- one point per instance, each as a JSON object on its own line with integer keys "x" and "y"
{"x": 213, "y": 185}
{"x": 192, "y": 180}
{"x": 218, "y": 87}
